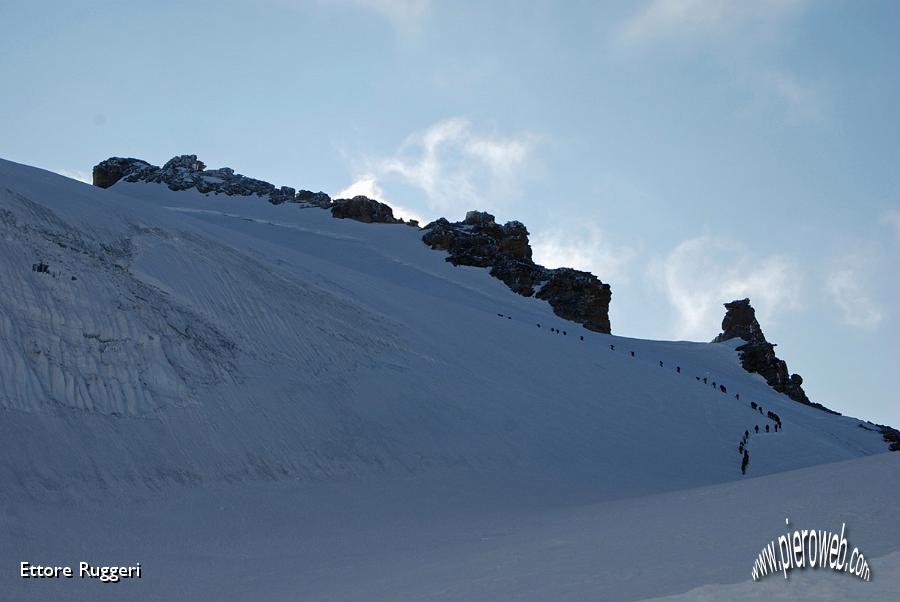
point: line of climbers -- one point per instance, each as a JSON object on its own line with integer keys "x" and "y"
{"x": 742, "y": 447}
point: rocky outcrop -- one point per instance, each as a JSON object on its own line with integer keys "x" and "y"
{"x": 318, "y": 199}
{"x": 758, "y": 355}
{"x": 363, "y": 209}
{"x": 740, "y": 322}
{"x": 186, "y": 172}
{"x": 106, "y": 173}
{"x": 891, "y": 436}
{"x": 481, "y": 242}
{"x": 578, "y": 296}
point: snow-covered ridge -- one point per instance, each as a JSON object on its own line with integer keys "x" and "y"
{"x": 181, "y": 338}
{"x": 476, "y": 241}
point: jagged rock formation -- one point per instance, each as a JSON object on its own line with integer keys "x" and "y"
{"x": 479, "y": 241}
{"x": 186, "y": 171}
{"x": 758, "y": 355}
{"x": 106, "y": 173}
{"x": 363, "y": 209}
{"x": 578, "y": 296}
{"x": 891, "y": 436}
{"x": 319, "y": 199}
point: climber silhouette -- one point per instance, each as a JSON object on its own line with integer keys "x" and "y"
{"x": 767, "y": 428}
{"x": 632, "y": 354}
{"x": 756, "y": 428}
{"x": 660, "y": 364}
{"x": 737, "y": 395}
{"x": 745, "y": 462}
{"x": 582, "y": 337}
{"x": 612, "y": 347}
{"x": 746, "y": 434}
{"x": 678, "y": 369}
{"x": 704, "y": 380}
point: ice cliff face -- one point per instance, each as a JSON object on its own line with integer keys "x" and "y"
{"x": 77, "y": 357}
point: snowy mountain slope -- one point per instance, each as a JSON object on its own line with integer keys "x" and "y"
{"x": 264, "y": 402}
{"x": 224, "y": 338}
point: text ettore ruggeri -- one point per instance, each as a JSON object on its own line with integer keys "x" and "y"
{"x": 85, "y": 570}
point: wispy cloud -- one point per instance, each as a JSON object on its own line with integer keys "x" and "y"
{"x": 702, "y": 273}
{"x": 801, "y": 101}
{"x": 892, "y": 218}
{"x": 75, "y": 174}
{"x": 367, "y": 185}
{"x": 845, "y": 283}
{"x": 407, "y": 15}
{"x": 739, "y": 35}
{"x": 455, "y": 167}
{"x": 698, "y": 20}
{"x": 585, "y": 248}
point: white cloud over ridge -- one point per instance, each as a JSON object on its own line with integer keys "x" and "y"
{"x": 456, "y": 168}
{"x": 76, "y": 174}
{"x": 585, "y": 248}
{"x": 702, "y": 273}
{"x": 367, "y": 185}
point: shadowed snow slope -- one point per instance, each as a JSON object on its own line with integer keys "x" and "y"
{"x": 179, "y": 341}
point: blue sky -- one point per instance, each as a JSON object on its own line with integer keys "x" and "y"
{"x": 689, "y": 152}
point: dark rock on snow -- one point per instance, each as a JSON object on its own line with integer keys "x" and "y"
{"x": 481, "y": 242}
{"x": 363, "y": 209}
{"x": 319, "y": 199}
{"x": 185, "y": 172}
{"x": 891, "y": 436}
{"x": 106, "y": 173}
{"x": 758, "y": 355}
{"x": 578, "y": 296}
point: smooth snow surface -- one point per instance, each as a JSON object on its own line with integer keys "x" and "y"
{"x": 210, "y": 383}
